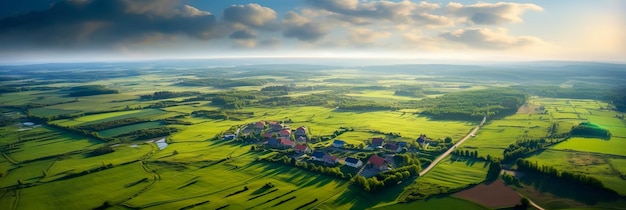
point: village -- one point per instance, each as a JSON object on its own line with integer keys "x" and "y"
{"x": 296, "y": 144}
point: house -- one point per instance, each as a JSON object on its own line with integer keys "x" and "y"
{"x": 318, "y": 156}
{"x": 229, "y": 136}
{"x": 402, "y": 144}
{"x": 28, "y": 124}
{"x": 259, "y": 125}
{"x": 378, "y": 162}
{"x": 268, "y": 135}
{"x": 287, "y": 142}
{"x": 339, "y": 143}
{"x": 391, "y": 146}
{"x": 353, "y": 162}
{"x": 301, "y": 131}
{"x": 302, "y": 149}
{"x": 275, "y": 126}
{"x": 422, "y": 139}
{"x": 273, "y": 142}
{"x": 330, "y": 159}
{"x": 285, "y": 133}
{"x": 301, "y": 140}
{"x": 377, "y": 142}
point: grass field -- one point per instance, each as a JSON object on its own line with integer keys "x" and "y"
{"x": 148, "y": 114}
{"x": 49, "y": 142}
{"x": 88, "y": 191}
{"x": 129, "y": 128}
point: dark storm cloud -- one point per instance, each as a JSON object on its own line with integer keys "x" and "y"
{"x": 243, "y": 34}
{"x": 82, "y": 23}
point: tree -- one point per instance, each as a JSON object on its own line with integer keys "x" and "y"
{"x": 448, "y": 140}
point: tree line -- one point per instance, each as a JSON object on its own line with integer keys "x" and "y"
{"x": 90, "y": 90}
{"x": 167, "y": 94}
{"x": 555, "y": 173}
{"x": 494, "y": 102}
{"x": 386, "y": 179}
{"x": 111, "y": 124}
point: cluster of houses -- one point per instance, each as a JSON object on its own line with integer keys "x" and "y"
{"x": 282, "y": 136}
{"x": 377, "y": 143}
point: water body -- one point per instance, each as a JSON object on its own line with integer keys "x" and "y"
{"x": 161, "y": 143}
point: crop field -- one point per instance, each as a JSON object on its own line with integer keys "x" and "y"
{"x": 129, "y": 128}
{"x": 450, "y": 174}
{"x": 149, "y": 114}
{"x": 34, "y": 97}
{"x": 62, "y": 163}
{"x": 592, "y": 164}
{"x": 88, "y": 191}
{"x": 81, "y": 162}
{"x": 494, "y": 195}
{"x": 48, "y": 142}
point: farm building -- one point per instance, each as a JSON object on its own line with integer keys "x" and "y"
{"x": 268, "y": 135}
{"x": 377, "y": 142}
{"x": 318, "y": 156}
{"x": 287, "y": 143}
{"x": 229, "y": 136}
{"x": 301, "y": 131}
{"x": 378, "y": 162}
{"x": 301, "y": 140}
{"x": 276, "y": 126}
{"x": 302, "y": 149}
{"x": 330, "y": 159}
{"x": 392, "y": 146}
{"x": 353, "y": 162}
{"x": 259, "y": 125}
{"x": 273, "y": 142}
{"x": 285, "y": 133}
{"x": 402, "y": 144}
{"x": 339, "y": 143}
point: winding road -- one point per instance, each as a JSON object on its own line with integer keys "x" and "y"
{"x": 445, "y": 154}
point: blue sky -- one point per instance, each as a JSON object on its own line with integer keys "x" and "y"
{"x": 93, "y": 30}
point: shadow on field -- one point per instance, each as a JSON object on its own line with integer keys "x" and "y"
{"x": 468, "y": 161}
{"x": 571, "y": 190}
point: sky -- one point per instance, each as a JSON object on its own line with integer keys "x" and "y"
{"x": 109, "y": 30}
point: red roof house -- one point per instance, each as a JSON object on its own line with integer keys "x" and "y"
{"x": 287, "y": 142}
{"x": 302, "y": 148}
{"x": 285, "y": 132}
{"x": 259, "y": 125}
{"x": 301, "y": 131}
{"x": 268, "y": 135}
{"x": 378, "y": 162}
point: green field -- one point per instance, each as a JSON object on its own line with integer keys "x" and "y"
{"x": 60, "y": 164}
{"x": 129, "y": 128}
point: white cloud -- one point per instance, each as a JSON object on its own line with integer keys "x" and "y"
{"x": 252, "y": 15}
{"x": 484, "y": 38}
{"x": 491, "y": 13}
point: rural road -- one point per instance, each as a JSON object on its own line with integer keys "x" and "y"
{"x": 445, "y": 154}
